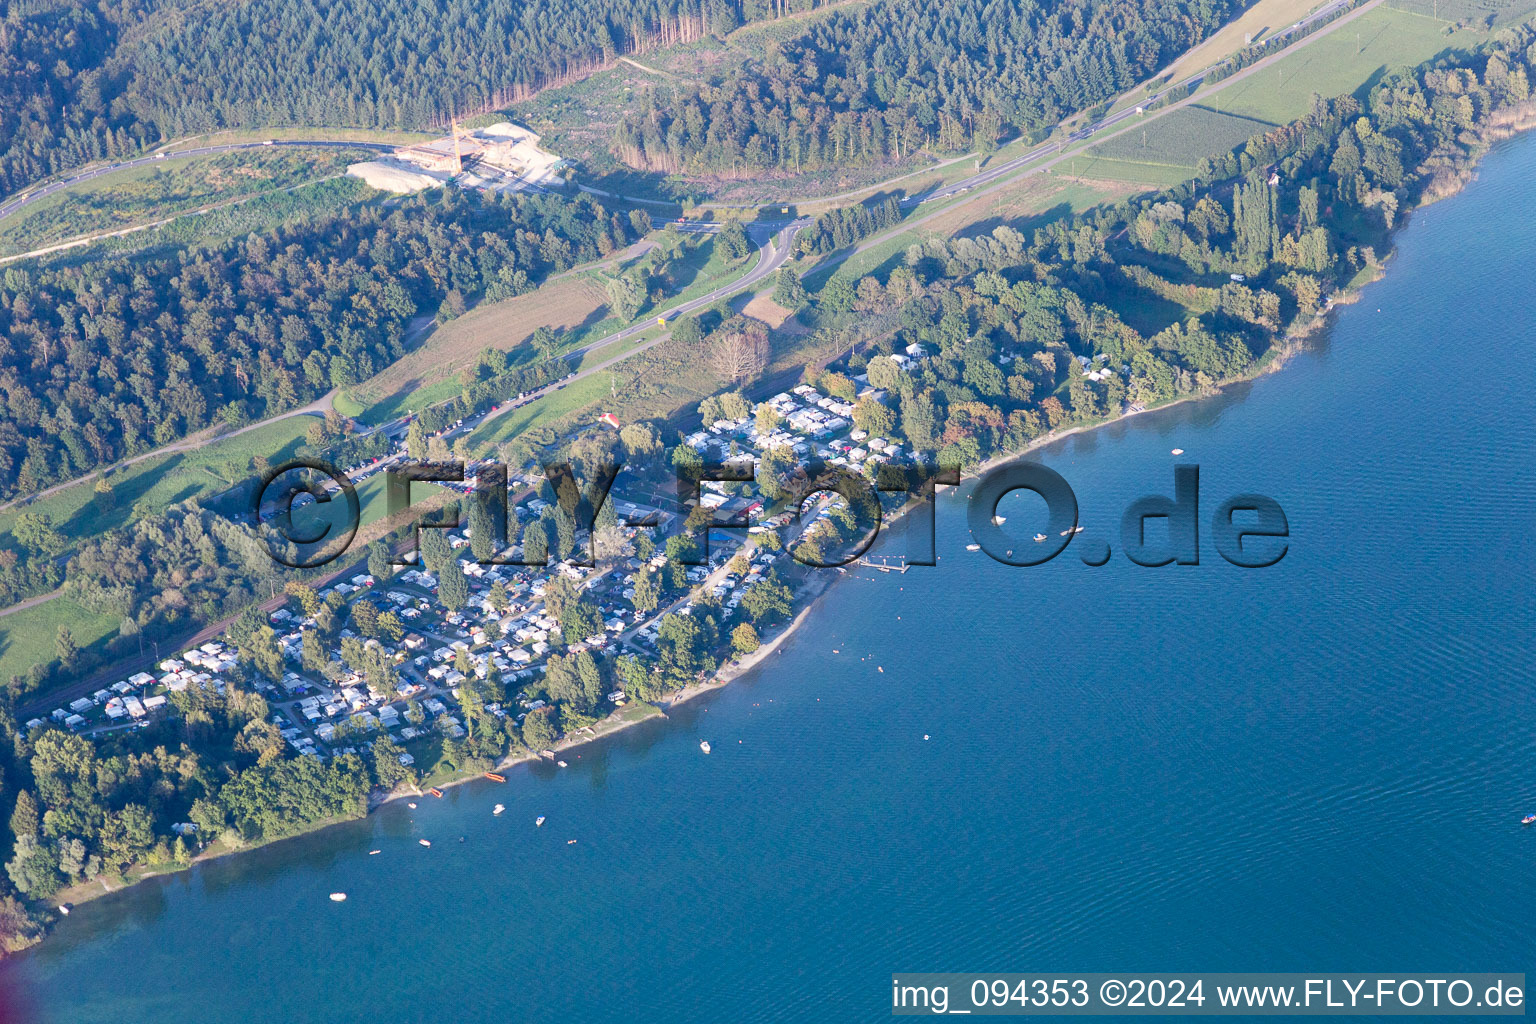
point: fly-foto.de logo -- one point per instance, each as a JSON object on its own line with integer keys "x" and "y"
{"x": 308, "y": 513}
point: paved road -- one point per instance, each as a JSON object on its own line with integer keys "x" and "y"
{"x": 1110, "y": 121}
{"x": 318, "y": 407}
{"x": 984, "y": 184}
{"x": 776, "y": 243}
{"x": 776, "y": 248}
{"x": 27, "y": 199}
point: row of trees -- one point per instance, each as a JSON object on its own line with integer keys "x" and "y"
{"x": 846, "y": 225}
{"x": 878, "y": 82}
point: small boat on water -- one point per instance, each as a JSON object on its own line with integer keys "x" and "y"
{"x": 436, "y": 792}
{"x": 539, "y": 822}
{"x": 374, "y": 853}
{"x": 338, "y": 897}
{"x": 425, "y": 842}
{"x": 498, "y": 808}
{"x": 570, "y": 842}
{"x": 1039, "y": 537}
{"x": 704, "y": 745}
{"x": 562, "y": 764}
{"x": 495, "y": 778}
{"x": 1178, "y": 451}
{"x": 973, "y": 547}
{"x": 411, "y": 805}
{"x": 999, "y": 520}
{"x": 1529, "y": 819}
{"x": 1072, "y": 530}
{"x": 65, "y": 908}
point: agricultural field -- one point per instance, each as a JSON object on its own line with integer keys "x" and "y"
{"x": 1341, "y": 62}
{"x": 428, "y": 373}
{"x": 552, "y": 408}
{"x": 762, "y": 307}
{"x": 1180, "y": 139}
{"x": 1024, "y": 204}
{"x": 578, "y": 302}
{"x": 1028, "y": 204}
{"x": 1471, "y": 13}
{"x": 663, "y": 382}
{"x": 1087, "y": 167}
{"x": 141, "y": 194}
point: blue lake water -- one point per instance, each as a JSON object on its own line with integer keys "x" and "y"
{"x": 1316, "y": 766}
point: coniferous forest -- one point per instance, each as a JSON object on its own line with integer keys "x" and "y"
{"x": 83, "y": 80}
{"x": 878, "y": 82}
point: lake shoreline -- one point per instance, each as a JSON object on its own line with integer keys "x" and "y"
{"x": 1443, "y": 185}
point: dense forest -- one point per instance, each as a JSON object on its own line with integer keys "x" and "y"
{"x": 879, "y": 82}
{"x": 84, "y": 79}
{"x": 104, "y": 359}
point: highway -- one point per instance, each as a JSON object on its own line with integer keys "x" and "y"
{"x": 982, "y": 178}
{"x": 776, "y": 239}
{"x": 1044, "y": 149}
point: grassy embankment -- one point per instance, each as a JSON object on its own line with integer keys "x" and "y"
{"x": 28, "y": 636}
{"x": 141, "y": 195}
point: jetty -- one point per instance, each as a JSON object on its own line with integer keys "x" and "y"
{"x": 884, "y": 564}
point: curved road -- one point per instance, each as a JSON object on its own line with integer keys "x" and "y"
{"x": 1109, "y": 121}
{"x": 776, "y": 245}
{"x": 26, "y": 199}
{"x": 316, "y": 408}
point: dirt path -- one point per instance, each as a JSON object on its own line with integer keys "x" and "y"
{"x": 84, "y": 240}
{"x": 657, "y": 71}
